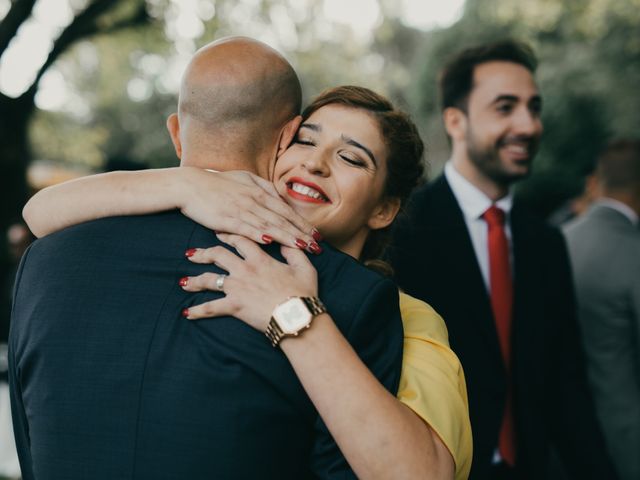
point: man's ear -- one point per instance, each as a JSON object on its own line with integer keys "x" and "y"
{"x": 288, "y": 133}
{"x": 455, "y": 123}
{"x": 173, "y": 125}
{"x": 384, "y": 213}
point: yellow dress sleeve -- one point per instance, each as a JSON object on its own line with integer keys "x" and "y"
{"x": 432, "y": 382}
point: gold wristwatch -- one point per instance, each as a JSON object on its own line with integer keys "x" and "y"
{"x": 293, "y": 316}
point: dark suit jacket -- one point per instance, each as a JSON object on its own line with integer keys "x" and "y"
{"x": 434, "y": 260}
{"x": 110, "y": 382}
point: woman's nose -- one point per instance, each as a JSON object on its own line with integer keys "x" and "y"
{"x": 317, "y": 164}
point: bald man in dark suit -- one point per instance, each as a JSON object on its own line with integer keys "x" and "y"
{"x": 109, "y": 381}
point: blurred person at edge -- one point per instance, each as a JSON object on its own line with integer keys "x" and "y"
{"x": 604, "y": 247}
{"x": 500, "y": 277}
{"x": 18, "y": 239}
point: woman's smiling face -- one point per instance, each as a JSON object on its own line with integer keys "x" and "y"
{"x": 334, "y": 173}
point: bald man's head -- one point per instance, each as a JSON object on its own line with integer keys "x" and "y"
{"x": 236, "y": 96}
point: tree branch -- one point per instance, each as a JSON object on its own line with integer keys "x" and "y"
{"x": 19, "y": 12}
{"x": 139, "y": 17}
{"x": 84, "y": 25}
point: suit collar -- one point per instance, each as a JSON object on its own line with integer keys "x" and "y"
{"x": 447, "y": 214}
{"x": 607, "y": 205}
{"x": 472, "y": 201}
{"x": 469, "y": 283}
{"x": 452, "y": 236}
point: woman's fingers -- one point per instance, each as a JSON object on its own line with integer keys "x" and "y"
{"x": 265, "y": 198}
{"x": 219, "y": 256}
{"x": 214, "y": 308}
{"x": 265, "y": 226}
{"x": 244, "y": 204}
{"x": 295, "y": 258}
{"x": 205, "y": 281}
{"x": 246, "y": 248}
{"x": 288, "y": 219}
{"x": 266, "y": 185}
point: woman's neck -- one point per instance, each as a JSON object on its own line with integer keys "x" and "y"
{"x": 353, "y": 246}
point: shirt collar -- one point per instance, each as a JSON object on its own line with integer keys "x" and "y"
{"x": 620, "y": 207}
{"x": 473, "y": 202}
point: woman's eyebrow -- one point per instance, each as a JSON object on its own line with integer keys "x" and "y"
{"x": 311, "y": 126}
{"x": 352, "y": 142}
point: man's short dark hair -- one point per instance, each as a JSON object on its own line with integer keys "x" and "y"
{"x": 618, "y": 166}
{"x": 456, "y": 78}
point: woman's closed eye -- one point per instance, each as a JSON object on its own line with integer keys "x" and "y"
{"x": 354, "y": 160}
{"x": 304, "y": 141}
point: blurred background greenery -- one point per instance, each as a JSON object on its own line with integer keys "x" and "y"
{"x": 99, "y": 98}
{"x": 86, "y": 85}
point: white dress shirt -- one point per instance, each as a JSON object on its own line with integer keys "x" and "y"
{"x": 473, "y": 203}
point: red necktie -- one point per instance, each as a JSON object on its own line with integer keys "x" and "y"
{"x": 502, "y": 302}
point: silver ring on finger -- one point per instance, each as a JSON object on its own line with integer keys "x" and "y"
{"x": 220, "y": 282}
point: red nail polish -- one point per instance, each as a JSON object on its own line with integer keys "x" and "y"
{"x": 267, "y": 239}
{"x": 183, "y": 281}
{"x": 315, "y": 248}
{"x": 190, "y": 252}
{"x": 185, "y": 312}
{"x": 301, "y": 243}
{"x": 316, "y": 235}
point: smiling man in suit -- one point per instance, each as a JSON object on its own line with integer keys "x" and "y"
{"x": 499, "y": 277}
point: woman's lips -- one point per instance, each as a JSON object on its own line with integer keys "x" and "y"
{"x": 306, "y": 191}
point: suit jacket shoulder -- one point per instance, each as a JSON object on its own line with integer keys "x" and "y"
{"x": 148, "y": 394}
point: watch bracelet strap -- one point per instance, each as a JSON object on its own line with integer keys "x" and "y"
{"x": 275, "y": 334}
{"x": 315, "y": 305}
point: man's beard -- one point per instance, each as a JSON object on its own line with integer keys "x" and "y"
{"x": 488, "y": 161}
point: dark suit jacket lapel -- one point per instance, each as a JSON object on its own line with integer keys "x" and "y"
{"x": 453, "y": 236}
{"x": 528, "y": 315}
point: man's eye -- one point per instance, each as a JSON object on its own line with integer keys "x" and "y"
{"x": 504, "y": 107}
{"x": 536, "y": 108}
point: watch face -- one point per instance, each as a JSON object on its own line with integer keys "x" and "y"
{"x": 292, "y": 316}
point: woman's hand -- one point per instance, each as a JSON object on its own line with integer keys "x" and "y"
{"x": 244, "y": 204}
{"x": 256, "y": 283}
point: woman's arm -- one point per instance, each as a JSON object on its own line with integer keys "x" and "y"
{"x": 237, "y": 202}
{"x": 398, "y": 444}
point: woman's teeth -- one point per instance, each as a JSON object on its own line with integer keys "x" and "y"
{"x": 307, "y": 191}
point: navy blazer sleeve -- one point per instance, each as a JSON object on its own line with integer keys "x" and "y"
{"x": 376, "y": 336}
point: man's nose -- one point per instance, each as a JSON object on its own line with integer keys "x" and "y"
{"x": 527, "y": 122}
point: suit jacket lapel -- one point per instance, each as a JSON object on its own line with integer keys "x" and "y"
{"x": 528, "y": 315}
{"x": 453, "y": 236}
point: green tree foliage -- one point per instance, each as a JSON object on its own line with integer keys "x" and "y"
{"x": 94, "y": 17}
{"x": 105, "y": 72}
{"x": 589, "y": 53}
